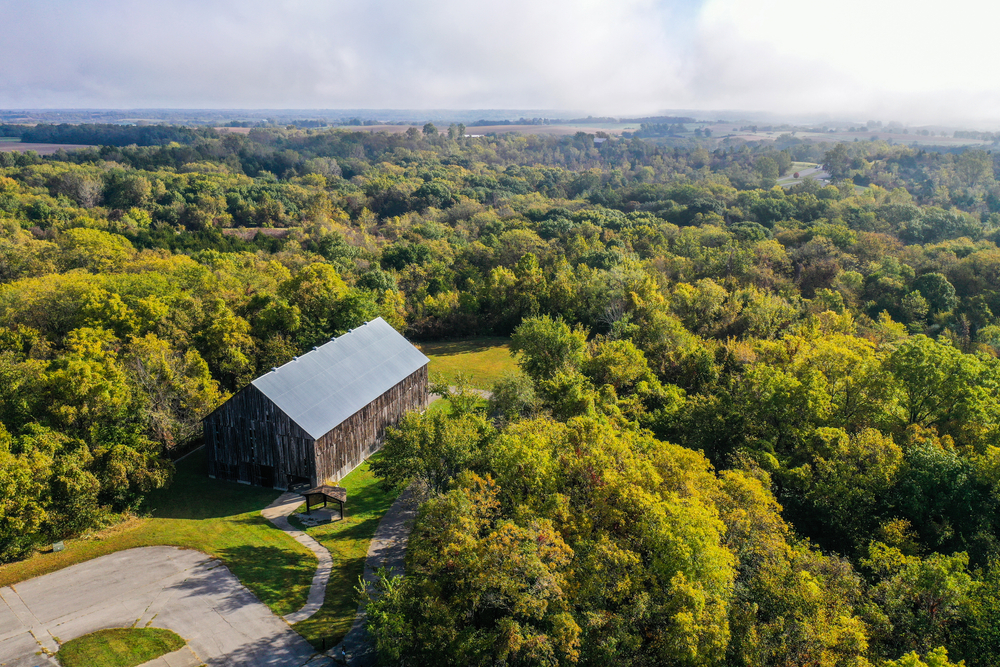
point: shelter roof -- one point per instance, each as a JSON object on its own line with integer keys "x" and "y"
{"x": 321, "y": 389}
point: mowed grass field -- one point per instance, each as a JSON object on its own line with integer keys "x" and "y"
{"x": 118, "y": 647}
{"x": 219, "y": 518}
{"x": 482, "y": 360}
{"x": 802, "y": 166}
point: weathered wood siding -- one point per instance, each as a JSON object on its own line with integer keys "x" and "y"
{"x": 359, "y": 436}
{"x": 250, "y": 440}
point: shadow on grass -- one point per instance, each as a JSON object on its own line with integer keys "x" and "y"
{"x": 360, "y": 530}
{"x": 277, "y": 577}
{"x": 194, "y": 495}
{"x": 369, "y": 498}
{"x": 337, "y": 616}
{"x": 461, "y": 346}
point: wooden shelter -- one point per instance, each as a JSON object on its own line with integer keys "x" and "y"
{"x": 320, "y": 415}
{"x": 333, "y": 494}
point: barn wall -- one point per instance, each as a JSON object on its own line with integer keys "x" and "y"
{"x": 359, "y": 436}
{"x": 250, "y": 440}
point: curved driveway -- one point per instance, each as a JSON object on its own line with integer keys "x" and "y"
{"x": 185, "y": 591}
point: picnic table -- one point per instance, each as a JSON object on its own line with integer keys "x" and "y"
{"x": 337, "y": 494}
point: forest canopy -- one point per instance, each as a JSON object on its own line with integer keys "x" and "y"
{"x": 754, "y": 424}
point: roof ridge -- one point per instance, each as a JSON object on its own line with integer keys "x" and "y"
{"x": 319, "y": 391}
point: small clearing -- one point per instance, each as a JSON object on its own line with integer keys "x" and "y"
{"x": 482, "y": 360}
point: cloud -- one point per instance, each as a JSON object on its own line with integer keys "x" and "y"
{"x": 913, "y": 61}
{"x": 339, "y": 53}
{"x": 863, "y": 58}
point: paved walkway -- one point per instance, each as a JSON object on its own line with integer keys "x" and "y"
{"x": 277, "y": 513}
{"x": 387, "y": 549}
{"x": 186, "y": 591}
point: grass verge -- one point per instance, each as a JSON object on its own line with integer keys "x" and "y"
{"x": 118, "y": 647}
{"x": 347, "y": 542}
{"x": 483, "y": 360}
{"x": 219, "y": 518}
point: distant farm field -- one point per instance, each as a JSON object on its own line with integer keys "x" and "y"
{"x": 558, "y": 130}
{"x": 483, "y": 360}
{"x": 8, "y": 145}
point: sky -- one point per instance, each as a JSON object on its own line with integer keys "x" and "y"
{"x": 914, "y": 62}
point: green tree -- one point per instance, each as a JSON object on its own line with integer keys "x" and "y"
{"x": 548, "y": 346}
{"x": 430, "y": 449}
{"x": 923, "y": 598}
{"x": 940, "y": 293}
{"x": 317, "y": 290}
{"x": 513, "y": 397}
{"x": 94, "y": 250}
{"x": 490, "y": 591}
{"x": 838, "y": 496}
{"x": 177, "y": 389}
{"x": 226, "y": 345}
{"x": 939, "y": 386}
{"x": 23, "y": 495}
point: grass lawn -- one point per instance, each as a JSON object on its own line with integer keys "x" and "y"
{"x": 440, "y": 405}
{"x": 801, "y": 166}
{"x": 483, "y": 360}
{"x": 118, "y": 647}
{"x": 219, "y": 518}
{"x": 347, "y": 542}
{"x": 796, "y": 167}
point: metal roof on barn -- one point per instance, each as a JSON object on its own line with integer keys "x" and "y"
{"x": 321, "y": 389}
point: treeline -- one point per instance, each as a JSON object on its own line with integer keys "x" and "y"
{"x": 104, "y": 134}
{"x": 974, "y": 134}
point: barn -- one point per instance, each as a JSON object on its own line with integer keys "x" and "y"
{"x": 320, "y": 415}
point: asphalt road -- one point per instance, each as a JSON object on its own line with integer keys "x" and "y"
{"x": 181, "y": 590}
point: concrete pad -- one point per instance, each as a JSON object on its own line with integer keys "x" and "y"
{"x": 106, "y": 581}
{"x": 318, "y": 516}
{"x": 181, "y": 590}
{"x": 23, "y": 651}
{"x": 10, "y": 623}
{"x": 184, "y": 657}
